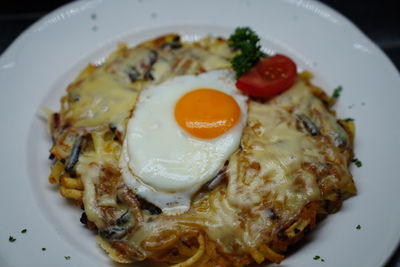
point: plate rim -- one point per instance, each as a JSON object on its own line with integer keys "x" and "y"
{"x": 9, "y": 51}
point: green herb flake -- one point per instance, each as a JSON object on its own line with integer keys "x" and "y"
{"x": 44, "y": 249}
{"x": 316, "y": 257}
{"x": 348, "y": 119}
{"x": 67, "y": 257}
{"x": 357, "y": 162}
{"x": 336, "y": 92}
{"x": 11, "y": 239}
{"x": 23, "y": 231}
{"x": 247, "y": 41}
{"x": 358, "y": 227}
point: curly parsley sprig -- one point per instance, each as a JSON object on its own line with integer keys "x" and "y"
{"x": 245, "y": 40}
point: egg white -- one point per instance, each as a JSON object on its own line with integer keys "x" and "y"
{"x": 160, "y": 161}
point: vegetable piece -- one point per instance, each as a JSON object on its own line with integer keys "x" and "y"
{"x": 11, "y": 239}
{"x": 309, "y": 125}
{"x": 73, "y": 159}
{"x": 84, "y": 220}
{"x": 133, "y": 74}
{"x": 336, "y": 92}
{"x": 123, "y": 219}
{"x": 152, "y": 57}
{"x": 145, "y": 205}
{"x": 245, "y": 40}
{"x": 357, "y": 162}
{"x": 23, "y": 231}
{"x": 174, "y": 44}
{"x": 316, "y": 257}
{"x": 151, "y": 60}
{"x": 270, "y": 77}
{"x": 114, "y": 232}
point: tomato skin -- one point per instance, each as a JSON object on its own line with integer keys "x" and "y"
{"x": 269, "y": 77}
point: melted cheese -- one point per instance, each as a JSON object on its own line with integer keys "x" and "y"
{"x": 90, "y": 178}
{"x": 106, "y": 94}
{"x": 101, "y": 99}
{"x": 274, "y": 172}
{"x": 293, "y": 152}
{"x": 274, "y": 151}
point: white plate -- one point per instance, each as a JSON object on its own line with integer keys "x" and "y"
{"x": 37, "y": 67}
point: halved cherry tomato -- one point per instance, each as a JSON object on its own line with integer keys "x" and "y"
{"x": 269, "y": 77}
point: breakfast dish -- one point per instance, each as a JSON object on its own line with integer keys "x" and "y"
{"x": 171, "y": 162}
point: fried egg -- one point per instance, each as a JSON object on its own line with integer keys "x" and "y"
{"x": 179, "y": 136}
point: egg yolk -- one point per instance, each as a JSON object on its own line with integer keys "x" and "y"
{"x": 206, "y": 113}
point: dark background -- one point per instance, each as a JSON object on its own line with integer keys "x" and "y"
{"x": 380, "y": 20}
